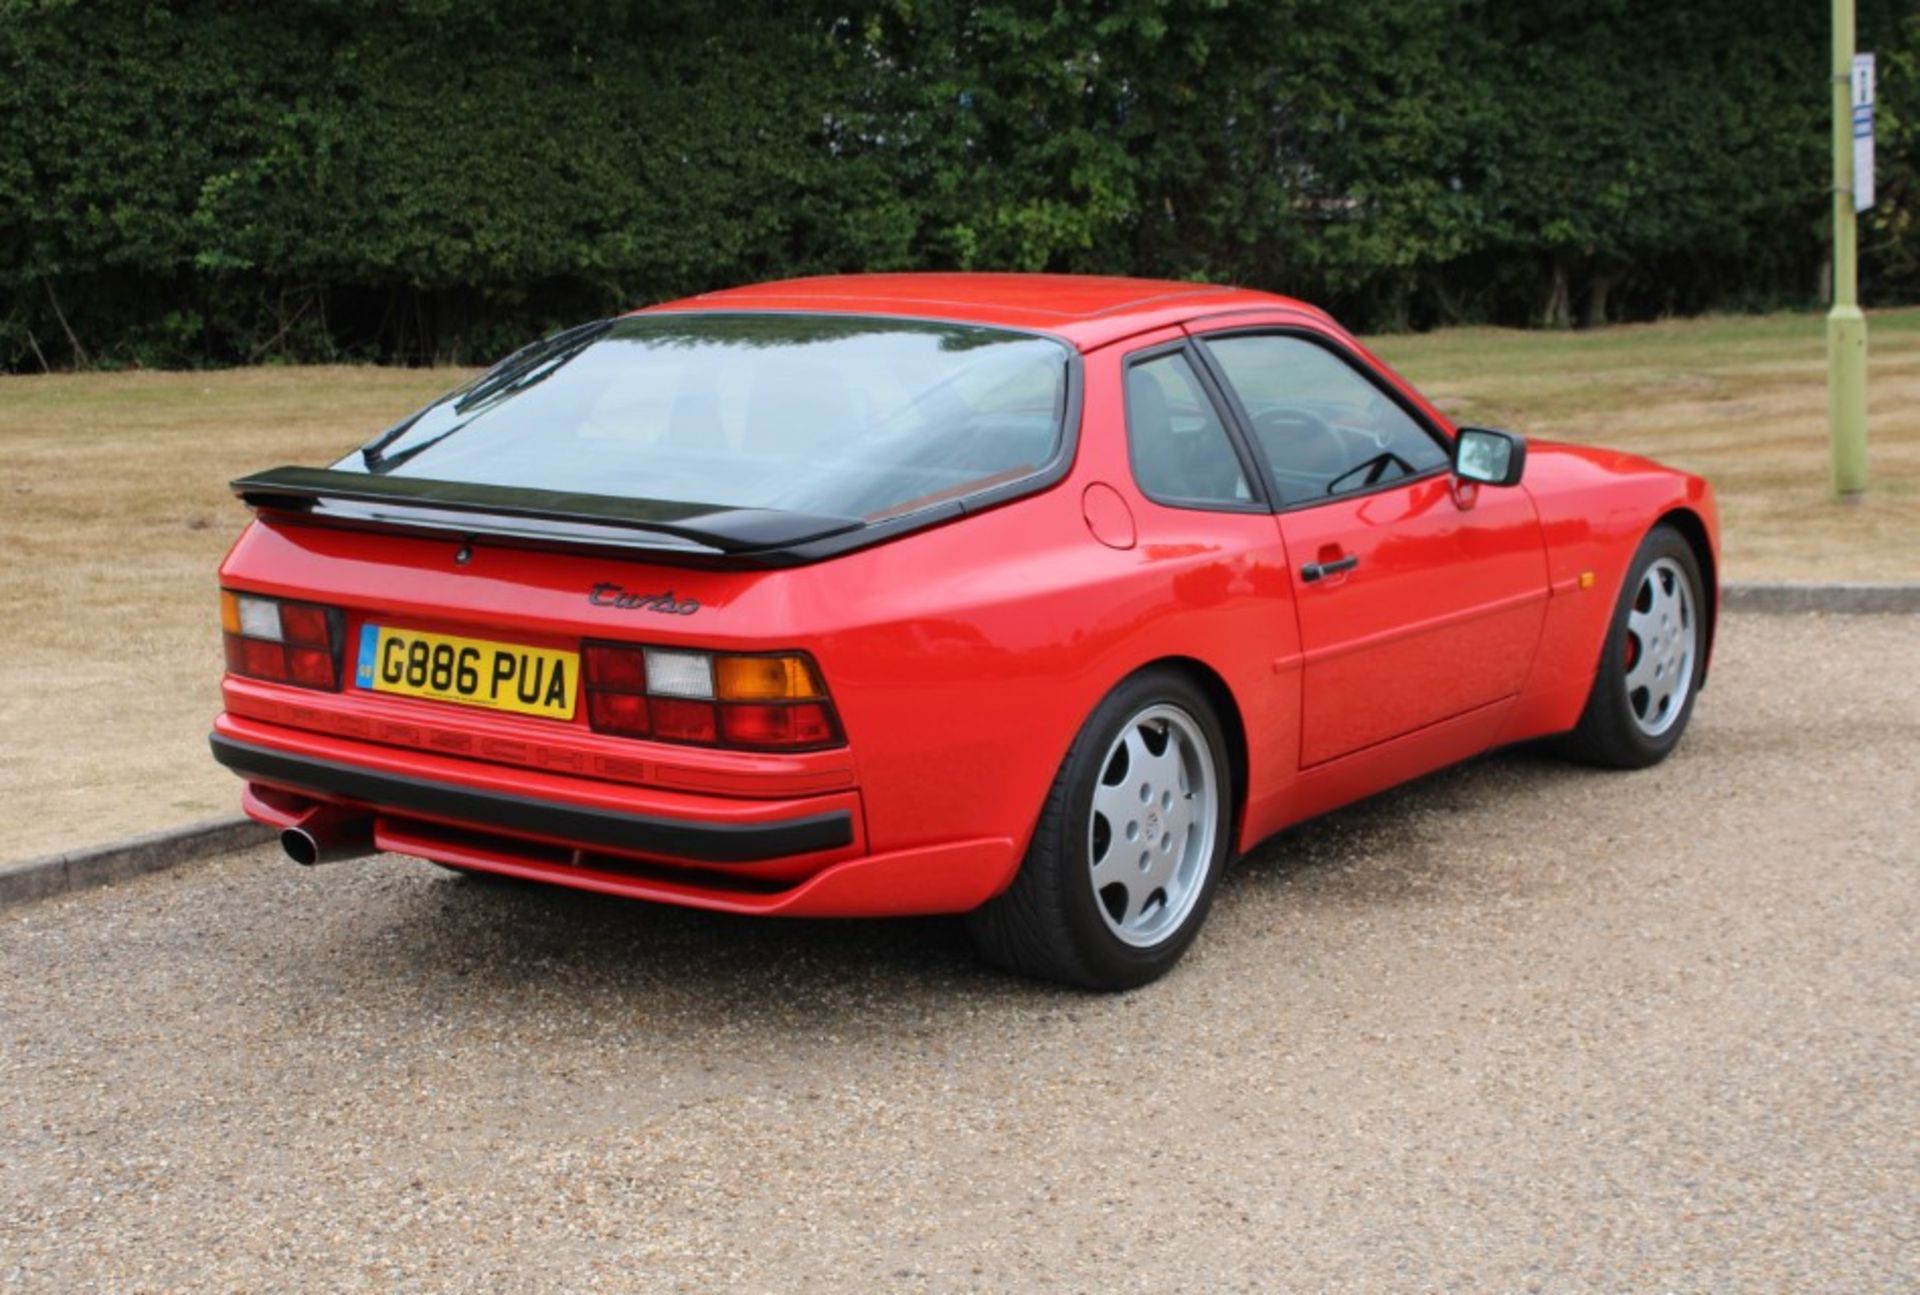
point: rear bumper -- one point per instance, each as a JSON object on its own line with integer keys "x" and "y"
{"x": 806, "y": 856}
{"x": 680, "y": 838}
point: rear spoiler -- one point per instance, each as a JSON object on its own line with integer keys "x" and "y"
{"x": 534, "y": 514}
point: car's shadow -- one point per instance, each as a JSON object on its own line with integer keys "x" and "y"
{"x": 470, "y": 934}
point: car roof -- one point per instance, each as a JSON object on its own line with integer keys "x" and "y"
{"x": 1086, "y": 310}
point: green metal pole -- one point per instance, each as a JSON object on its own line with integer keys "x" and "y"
{"x": 1846, "y": 326}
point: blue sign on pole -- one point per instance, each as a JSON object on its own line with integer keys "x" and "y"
{"x": 1862, "y": 131}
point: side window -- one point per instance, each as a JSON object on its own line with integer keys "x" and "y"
{"x": 1324, "y": 428}
{"x": 1179, "y": 446}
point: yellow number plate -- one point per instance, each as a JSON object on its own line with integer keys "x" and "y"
{"x": 473, "y": 672}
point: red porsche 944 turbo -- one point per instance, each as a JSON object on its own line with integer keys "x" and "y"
{"x": 1030, "y": 598}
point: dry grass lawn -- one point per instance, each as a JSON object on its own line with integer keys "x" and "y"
{"x": 114, "y": 515}
{"x": 1741, "y": 401}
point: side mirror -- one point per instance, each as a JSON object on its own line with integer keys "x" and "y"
{"x": 1489, "y": 457}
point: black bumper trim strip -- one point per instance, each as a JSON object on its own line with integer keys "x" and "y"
{"x": 675, "y": 837}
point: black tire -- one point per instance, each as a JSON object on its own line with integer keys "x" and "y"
{"x": 1048, "y": 924}
{"x": 1610, "y": 735}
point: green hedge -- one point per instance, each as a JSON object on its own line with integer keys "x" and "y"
{"x": 418, "y": 180}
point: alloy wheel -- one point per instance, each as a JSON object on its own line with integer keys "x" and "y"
{"x": 1662, "y": 642}
{"x": 1156, "y": 813}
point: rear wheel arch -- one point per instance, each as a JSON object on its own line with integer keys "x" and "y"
{"x": 1056, "y": 919}
{"x": 1226, "y": 709}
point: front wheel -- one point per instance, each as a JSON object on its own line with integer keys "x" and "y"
{"x": 1134, "y": 833}
{"x": 1650, "y": 667}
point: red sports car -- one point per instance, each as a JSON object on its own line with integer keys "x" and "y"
{"x": 1031, "y": 598}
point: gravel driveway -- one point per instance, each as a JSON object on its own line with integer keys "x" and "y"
{"x": 1518, "y": 1026}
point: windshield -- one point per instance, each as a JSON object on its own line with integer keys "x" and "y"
{"x": 820, "y": 414}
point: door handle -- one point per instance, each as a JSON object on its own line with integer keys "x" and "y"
{"x": 1315, "y": 570}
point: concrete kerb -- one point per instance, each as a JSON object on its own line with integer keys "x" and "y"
{"x": 1842, "y": 599}
{"x": 79, "y": 869}
{"x": 57, "y": 874}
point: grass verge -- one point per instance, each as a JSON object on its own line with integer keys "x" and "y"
{"x": 1741, "y": 401}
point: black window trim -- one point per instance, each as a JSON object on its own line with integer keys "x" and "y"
{"x": 1251, "y": 470}
{"x": 1354, "y": 361}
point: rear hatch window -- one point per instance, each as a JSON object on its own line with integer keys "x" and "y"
{"x": 818, "y": 414}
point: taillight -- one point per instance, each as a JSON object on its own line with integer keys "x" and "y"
{"x": 772, "y": 701}
{"x": 285, "y": 642}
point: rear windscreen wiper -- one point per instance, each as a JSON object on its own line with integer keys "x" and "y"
{"x": 526, "y": 367}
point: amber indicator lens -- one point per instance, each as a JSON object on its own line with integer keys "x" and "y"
{"x": 765, "y": 678}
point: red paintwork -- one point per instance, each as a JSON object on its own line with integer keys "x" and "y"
{"x": 963, "y": 659}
